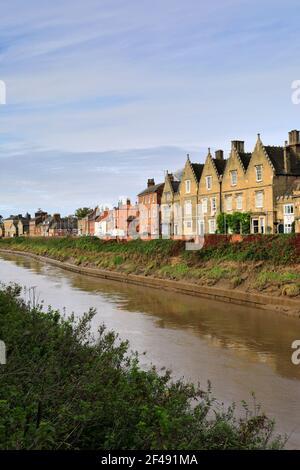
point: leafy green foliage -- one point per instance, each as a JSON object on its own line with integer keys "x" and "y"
{"x": 82, "y": 212}
{"x": 62, "y": 390}
{"x": 237, "y": 222}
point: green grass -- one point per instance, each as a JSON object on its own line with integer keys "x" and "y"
{"x": 265, "y": 278}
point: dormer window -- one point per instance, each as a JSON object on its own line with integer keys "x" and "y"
{"x": 259, "y": 173}
{"x": 188, "y": 186}
{"x": 208, "y": 182}
{"x": 233, "y": 175}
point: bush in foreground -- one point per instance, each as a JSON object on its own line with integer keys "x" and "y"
{"x": 60, "y": 390}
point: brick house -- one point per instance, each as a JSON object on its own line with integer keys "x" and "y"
{"x": 35, "y": 224}
{"x": 86, "y": 225}
{"x": 149, "y": 202}
{"x": 126, "y": 218}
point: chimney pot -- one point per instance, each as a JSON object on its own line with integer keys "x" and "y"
{"x": 238, "y": 145}
{"x": 286, "y": 159}
{"x": 151, "y": 182}
{"x": 294, "y": 137}
{"x": 219, "y": 154}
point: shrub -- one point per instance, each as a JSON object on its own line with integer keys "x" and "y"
{"x": 238, "y": 222}
{"x": 291, "y": 290}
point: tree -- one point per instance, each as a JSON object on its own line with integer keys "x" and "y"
{"x": 82, "y": 212}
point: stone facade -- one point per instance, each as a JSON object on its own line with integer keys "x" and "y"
{"x": 261, "y": 182}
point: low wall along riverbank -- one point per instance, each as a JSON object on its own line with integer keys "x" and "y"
{"x": 221, "y": 280}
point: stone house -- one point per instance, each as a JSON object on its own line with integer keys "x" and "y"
{"x": 171, "y": 188}
{"x": 264, "y": 183}
{"x": 256, "y": 182}
{"x": 10, "y": 226}
{"x": 23, "y": 226}
{"x": 210, "y": 192}
{"x": 186, "y": 201}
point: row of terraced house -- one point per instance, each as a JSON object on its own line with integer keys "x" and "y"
{"x": 41, "y": 225}
{"x": 264, "y": 183}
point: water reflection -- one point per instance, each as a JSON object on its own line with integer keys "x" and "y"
{"x": 262, "y": 335}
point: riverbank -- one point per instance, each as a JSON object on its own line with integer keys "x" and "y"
{"x": 164, "y": 264}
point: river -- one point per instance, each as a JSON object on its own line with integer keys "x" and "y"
{"x": 240, "y": 350}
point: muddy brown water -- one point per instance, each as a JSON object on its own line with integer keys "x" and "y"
{"x": 240, "y": 350}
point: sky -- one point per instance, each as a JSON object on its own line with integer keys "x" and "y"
{"x": 104, "y": 94}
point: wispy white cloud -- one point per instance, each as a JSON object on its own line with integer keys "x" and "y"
{"x": 98, "y": 76}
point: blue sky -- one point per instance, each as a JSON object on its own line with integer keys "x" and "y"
{"x": 102, "y": 94}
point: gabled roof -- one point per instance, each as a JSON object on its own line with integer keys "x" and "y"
{"x": 197, "y": 168}
{"x": 175, "y": 185}
{"x": 102, "y": 216}
{"x": 153, "y": 189}
{"x": 245, "y": 159}
{"x": 276, "y": 155}
{"x": 220, "y": 165}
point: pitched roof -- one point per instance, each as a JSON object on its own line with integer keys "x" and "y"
{"x": 175, "y": 185}
{"x": 220, "y": 165}
{"x": 198, "y": 168}
{"x": 245, "y": 158}
{"x": 152, "y": 189}
{"x": 276, "y": 155}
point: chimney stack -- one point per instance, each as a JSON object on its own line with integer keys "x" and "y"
{"x": 238, "y": 145}
{"x": 294, "y": 137}
{"x": 286, "y": 158}
{"x": 219, "y": 154}
{"x": 150, "y": 182}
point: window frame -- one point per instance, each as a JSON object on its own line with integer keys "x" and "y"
{"x": 239, "y": 197}
{"x": 228, "y": 198}
{"x": 262, "y": 199}
{"x": 233, "y": 172}
{"x": 187, "y": 186}
{"x": 208, "y": 178}
{"x": 260, "y": 167}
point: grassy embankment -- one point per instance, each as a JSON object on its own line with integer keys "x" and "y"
{"x": 268, "y": 264}
{"x": 59, "y": 390}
